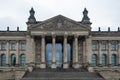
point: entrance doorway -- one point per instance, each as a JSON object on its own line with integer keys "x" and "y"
{"x": 59, "y": 54}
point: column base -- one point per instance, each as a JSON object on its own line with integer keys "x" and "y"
{"x": 30, "y": 69}
{"x": 53, "y": 65}
{"x": 17, "y": 65}
{"x": 119, "y": 65}
{"x": 42, "y": 65}
{"x": 7, "y": 65}
{"x": 65, "y": 65}
{"x": 100, "y": 65}
{"x": 76, "y": 65}
{"x": 109, "y": 65}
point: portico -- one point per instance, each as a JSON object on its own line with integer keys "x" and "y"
{"x": 58, "y": 51}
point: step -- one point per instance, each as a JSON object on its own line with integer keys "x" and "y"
{"x": 61, "y": 74}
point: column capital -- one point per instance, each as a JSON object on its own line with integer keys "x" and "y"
{"x": 53, "y": 35}
{"x": 32, "y": 36}
{"x": 17, "y": 40}
{"x": 7, "y": 40}
{"x": 43, "y": 35}
{"x": 109, "y": 42}
{"x": 119, "y": 41}
{"x": 75, "y": 36}
{"x": 99, "y": 41}
{"x": 65, "y": 35}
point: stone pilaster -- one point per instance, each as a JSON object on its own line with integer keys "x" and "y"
{"x": 88, "y": 49}
{"x": 84, "y": 53}
{"x": 7, "y": 54}
{"x": 109, "y": 53}
{"x": 118, "y": 53}
{"x": 33, "y": 49}
{"x": 17, "y": 53}
{"x": 65, "y": 60}
{"x": 75, "y": 54}
{"x": 29, "y": 50}
{"x": 53, "y": 52}
{"x": 43, "y": 64}
{"x": 99, "y": 54}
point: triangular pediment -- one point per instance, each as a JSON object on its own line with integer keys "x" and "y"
{"x": 59, "y": 23}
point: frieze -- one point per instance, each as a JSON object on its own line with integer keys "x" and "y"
{"x": 49, "y": 33}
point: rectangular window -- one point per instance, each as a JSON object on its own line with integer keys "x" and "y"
{"x": 113, "y": 46}
{"x": 12, "y": 46}
{"x": 3, "y": 46}
{"x": 22, "y": 46}
{"x": 94, "y": 45}
{"x": 104, "y": 46}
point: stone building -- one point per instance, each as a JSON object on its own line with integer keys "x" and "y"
{"x": 59, "y": 42}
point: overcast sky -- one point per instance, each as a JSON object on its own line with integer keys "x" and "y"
{"x": 102, "y": 13}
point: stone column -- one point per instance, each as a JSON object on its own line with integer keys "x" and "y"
{"x": 99, "y": 54}
{"x": 17, "y": 53}
{"x": 75, "y": 54}
{"x": 53, "y": 52}
{"x": 7, "y": 54}
{"x": 43, "y": 64}
{"x": 118, "y": 53}
{"x": 65, "y": 60}
{"x": 109, "y": 54}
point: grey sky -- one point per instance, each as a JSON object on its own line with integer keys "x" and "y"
{"x": 103, "y": 13}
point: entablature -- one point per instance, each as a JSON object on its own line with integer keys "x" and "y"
{"x": 59, "y": 33}
{"x": 105, "y": 38}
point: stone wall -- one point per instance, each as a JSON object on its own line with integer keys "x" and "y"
{"x": 11, "y": 73}
{"x": 109, "y": 73}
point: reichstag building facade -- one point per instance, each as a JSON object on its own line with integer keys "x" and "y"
{"x": 59, "y": 43}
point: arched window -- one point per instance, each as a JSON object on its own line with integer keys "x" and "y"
{"x": 113, "y": 60}
{"x": 3, "y": 60}
{"x": 94, "y": 60}
{"x": 104, "y": 60}
{"x": 13, "y": 59}
{"x": 22, "y": 59}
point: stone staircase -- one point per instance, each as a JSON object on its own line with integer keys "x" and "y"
{"x": 61, "y": 74}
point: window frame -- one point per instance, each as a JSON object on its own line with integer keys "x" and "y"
{"x": 22, "y": 46}
{"x": 94, "y": 45}
{"x": 3, "y": 46}
{"x": 114, "y": 46}
{"x": 104, "y": 45}
{"x": 3, "y": 60}
{"x": 22, "y": 60}
{"x": 113, "y": 59}
{"x": 94, "y": 60}
{"x": 12, "y": 46}
{"x": 11, "y": 61}
{"x": 104, "y": 60}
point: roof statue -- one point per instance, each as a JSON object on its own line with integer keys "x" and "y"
{"x": 85, "y": 19}
{"x": 31, "y": 18}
